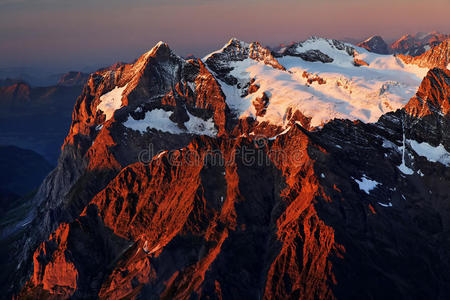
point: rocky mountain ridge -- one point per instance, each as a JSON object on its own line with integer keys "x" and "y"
{"x": 438, "y": 56}
{"x": 165, "y": 184}
{"x": 409, "y": 45}
{"x": 375, "y": 44}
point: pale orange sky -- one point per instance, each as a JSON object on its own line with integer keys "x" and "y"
{"x": 63, "y": 34}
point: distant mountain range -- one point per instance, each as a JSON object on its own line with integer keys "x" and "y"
{"x": 38, "y": 118}
{"x": 413, "y": 45}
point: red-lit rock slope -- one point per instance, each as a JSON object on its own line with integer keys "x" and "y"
{"x": 436, "y": 57}
{"x": 245, "y": 210}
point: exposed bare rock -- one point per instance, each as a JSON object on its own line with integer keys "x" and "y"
{"x": 436, "y": 57}
{"x": 433, "y": 96}
{"x": 375, "y": 44}
{"x": 360, "y": 62}
{"x": 253, "y": 211}
{"x": 418, "y": 44}
{"x": 235, "y": 50}
{"x": 260, "y": 104}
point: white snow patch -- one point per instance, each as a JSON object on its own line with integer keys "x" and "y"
{"x": 350, "y": 92}
{"x": 385, "y": 205}
{"x": 366, "y": 184}
{"x": 111, "y": 101}
{"x": 405, "y": 170}
{"x": 433, "y": 154}
{"x": 340, "y": 57}
{"x": 159, "y": 119}
{"x": 199, "y": 126}
{"x": 280, "y": 134}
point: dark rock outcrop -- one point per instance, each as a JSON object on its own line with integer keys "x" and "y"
{"x": 375, "y": 44}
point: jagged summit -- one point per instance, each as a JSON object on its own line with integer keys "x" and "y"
{"x": 375, "y": 44}
{"x": 160, "y": 48}
{"x": 438, "y": 56}
{"x": 235, "y": 41}
{"x": 237, "y": 51}
{"x": 418, "y": 44}
{"x": 318, "y": 49}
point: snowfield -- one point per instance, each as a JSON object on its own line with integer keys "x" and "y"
{"x": 350, "y": 92}
{"x": 344, "y": 90}
{"x": 159, "y": 119}
{"x": 366, "y": 184}
{"x": 111, "y": 101}
{"x": 433, "y": 154}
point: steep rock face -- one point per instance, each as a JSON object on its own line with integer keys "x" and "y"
{"x": 418, "y": 44}
{"x": 330, "y": 210}
{"x": 249, "y": 209}
{"x": 235, "y": 50}
{"x": 433, "y": 96}
{"x": 99, "y": 147}
{"x": 59, "y": 275}
{"x": 313, "y": 229}
{"x": 375, "y": 44}
{"x": 436, "y": 57}
{"x": 304, "y": 50}
{"x": 208, "y": 210}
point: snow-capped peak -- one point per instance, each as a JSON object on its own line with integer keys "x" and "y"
{"x": 321, "y": 49}
{"x": 235, "y": 41}
{"x": 319, "y": 78}
{"x": 160, "y": 46}
{"x": 375, "y": 44}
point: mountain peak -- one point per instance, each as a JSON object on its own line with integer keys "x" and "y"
{"x": 375, "y": 44}
{"x": 161, "y": 48}
{"x": 233, "y": 40}
{"x": 235, "y": 43}
{"x": 161, "y": 51}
